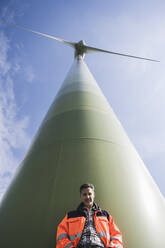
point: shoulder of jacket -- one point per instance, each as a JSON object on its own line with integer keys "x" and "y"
{"x": 105, "y": 213}
{"x": 74, "y": 214}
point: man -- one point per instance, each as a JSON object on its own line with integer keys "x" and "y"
{"x": 88, "y": 226}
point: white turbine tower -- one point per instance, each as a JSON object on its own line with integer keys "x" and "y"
{"x": 81, "y": 140}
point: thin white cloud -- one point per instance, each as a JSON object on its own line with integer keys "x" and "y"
{"x": 13, "y": 129}
{"x": 29, "y": 74}
{"x": 9, "y": 11}
{"x": 4, "y": 46}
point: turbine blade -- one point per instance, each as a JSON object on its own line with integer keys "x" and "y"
{"x": 93, "y": 49}
{"x": 72, "y": 44}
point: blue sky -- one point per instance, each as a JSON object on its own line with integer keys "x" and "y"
{"x": 32, "y": 68}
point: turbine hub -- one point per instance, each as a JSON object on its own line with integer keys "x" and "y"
{"x": 80, "y": 49}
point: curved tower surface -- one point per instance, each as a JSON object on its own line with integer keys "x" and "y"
{"x": 81, "y": 140}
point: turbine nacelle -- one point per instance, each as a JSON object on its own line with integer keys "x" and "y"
{"x": 80, "y": 49}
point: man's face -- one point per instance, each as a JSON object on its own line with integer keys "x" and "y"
{"x": 87, "y": 197}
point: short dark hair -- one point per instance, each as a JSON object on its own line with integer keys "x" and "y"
{"x": 86, "y": 185}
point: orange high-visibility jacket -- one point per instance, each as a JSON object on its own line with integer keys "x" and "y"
{"x": 70, "y": 229}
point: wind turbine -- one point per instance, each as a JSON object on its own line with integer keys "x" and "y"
{"x": 81, "y": 140}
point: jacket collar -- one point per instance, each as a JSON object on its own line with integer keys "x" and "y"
{"x": 82, "y": 208}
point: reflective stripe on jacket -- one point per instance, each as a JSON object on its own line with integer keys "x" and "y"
{"x": 70, "y": 229}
